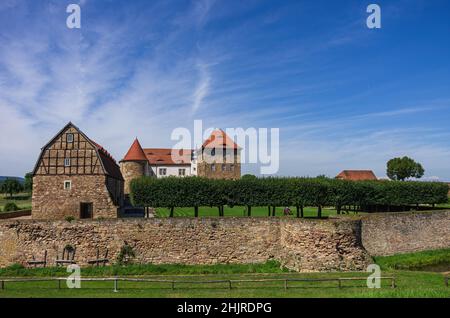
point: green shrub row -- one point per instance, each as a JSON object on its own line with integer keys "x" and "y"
{"x": 195, "y": 191}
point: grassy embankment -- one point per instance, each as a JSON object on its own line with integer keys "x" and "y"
{"x": 409, "y": 283}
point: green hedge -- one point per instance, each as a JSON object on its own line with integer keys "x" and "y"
{"x": 194, "y": 192}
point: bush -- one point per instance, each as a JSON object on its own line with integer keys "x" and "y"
{"x": 126, "y": 255}
{"x": 174, "y": 192}
{"x": 10, "y": 207}
{"x": 69, "y": 218}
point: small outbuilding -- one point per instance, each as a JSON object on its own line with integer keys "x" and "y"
{"x": 357, "y": 175}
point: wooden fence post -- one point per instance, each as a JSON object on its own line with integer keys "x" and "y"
{"x": 115, "y": 285}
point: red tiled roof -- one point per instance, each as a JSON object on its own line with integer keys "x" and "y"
{"x": 109, "y": 163}
{"x": 219, "y": 139}
{"x": 163, "y": 156}
{"x": 357, "y": 175}
{"x": 135, "y": 152}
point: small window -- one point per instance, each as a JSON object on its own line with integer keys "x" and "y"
{"x": 181, "y": 172}
{"x": 162, "y": 171}
{"x": 213, "y": 152}
{"x": 224, "y": 167}
{"x": 69, "y": 137}
{"x": 213, "y": 167}
{"x": 66, "y": 162}
{"x": 231, "y": 167}
{"x": 67, "y": 185}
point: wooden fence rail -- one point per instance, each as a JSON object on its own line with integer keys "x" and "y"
{"x": 228, "y": 282}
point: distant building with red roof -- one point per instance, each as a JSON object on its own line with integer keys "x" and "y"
{"x": 356, "y": 175}
{"x": 217, "y": 158}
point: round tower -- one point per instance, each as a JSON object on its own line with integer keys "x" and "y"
{"x": 133, "y": 165}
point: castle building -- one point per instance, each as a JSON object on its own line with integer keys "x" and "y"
{"x": 76, "y": 177}
{"x": 217, "y": 158}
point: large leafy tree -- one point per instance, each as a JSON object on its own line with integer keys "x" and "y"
{"x": 11, "y": 186}
{"x": 404, "y": 168}
{"x": 28, "y": 184}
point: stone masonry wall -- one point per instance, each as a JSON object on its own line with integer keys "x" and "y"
{"x": 204, "y": 170}
{"x": 131, "y": 170}
{"x": 51, "y": 201}
{"x": 394, "y": 233}
{"x": 303, "y": 245}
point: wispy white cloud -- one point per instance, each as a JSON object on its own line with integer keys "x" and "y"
{"x": 146, "y": 76}
{"x": 202, "y": 89}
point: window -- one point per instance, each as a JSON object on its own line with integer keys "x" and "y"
{"x": 181, "y": 172}
{"x": 213, "y": 167}
{"x": 67, "y": 185}
{"x": 162, "y": 171}
{"x": 224, "y": 167}
{"x": 66, "y": 162}
{"x": 231, "y": 167}
{"x": 213, "y": 152}
{"x": 69, "y": 138}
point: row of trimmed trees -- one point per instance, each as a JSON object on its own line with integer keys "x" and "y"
{"x": 195, "y": 192}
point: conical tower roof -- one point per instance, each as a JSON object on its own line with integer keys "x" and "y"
{"x": 135, "y": 153}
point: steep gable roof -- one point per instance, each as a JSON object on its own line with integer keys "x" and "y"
{"x": 109, "y": 163}
{"x": 219, "y": 139}
{"x": 356, "y": 175}
{"x": 135, "y": 153}
{"x": 163, "y": 156}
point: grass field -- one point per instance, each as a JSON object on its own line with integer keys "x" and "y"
{"x": 23, "y": 200}
{"x": 241, "y": 211}
{"x": 437, "y": 260}
{"x": 409, "y": 283}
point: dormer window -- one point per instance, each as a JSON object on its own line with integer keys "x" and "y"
{"x": 66, "y": 162}
{"x": 213, "y": 152}
{"x": 69, "y": 138}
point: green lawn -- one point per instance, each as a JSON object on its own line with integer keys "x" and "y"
{"x": 241, "y": 211}
{"x": 409, "y": 283}
{"x": 445, "y": 205}
{"x": 427, "y": 260}
{"x": 23, "y": 200}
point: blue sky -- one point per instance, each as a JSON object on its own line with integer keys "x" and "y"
{"x": 343, "y": 96}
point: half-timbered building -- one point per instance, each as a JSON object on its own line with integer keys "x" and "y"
{"x": 76, "y": 177}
